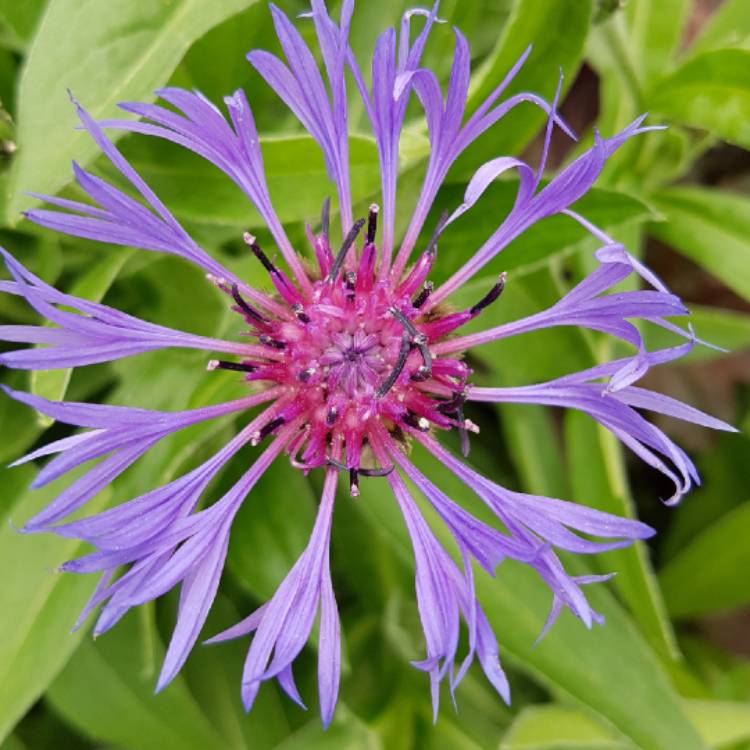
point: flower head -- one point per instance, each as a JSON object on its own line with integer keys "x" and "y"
{"x": 350, "y": 357}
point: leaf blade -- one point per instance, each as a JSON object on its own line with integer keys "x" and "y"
{"x": 122, "y": 50}
{"x": 709, "y": 227}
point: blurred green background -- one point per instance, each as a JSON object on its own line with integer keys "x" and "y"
{"x": 671, "y": 668}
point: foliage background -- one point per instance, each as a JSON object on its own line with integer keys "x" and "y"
{"x": 671, "y": 669}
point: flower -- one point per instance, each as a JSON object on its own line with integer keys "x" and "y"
{"x": 349, "y": 363}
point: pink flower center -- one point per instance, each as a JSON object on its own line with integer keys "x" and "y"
{"x": 353, "y": 356}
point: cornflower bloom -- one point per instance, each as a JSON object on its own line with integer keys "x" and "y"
{"x": 350, "y": 360}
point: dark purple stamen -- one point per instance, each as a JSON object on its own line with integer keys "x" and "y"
{"x": 348, "y": 242}
{"x": 264, "y": 338}
{"x": 354, "y": 482}
{"x": 372, "y": 224}
{"x": 246, "y": 308}
{"x": 421, "y": 298}
{"x": 221, "y": 364}
{"x": 332, "y": 416}
{"x": 490, "y": 297}
{"x": 268, "y": 428}
{"x": 374, "y": 472}
{"x": 463, "y": 433}
{"x": 432, "y": 244}
{"x": 403, "y": 354}
{"x": 259, "y": 254}
{"x": 418, "y": 339}
{"x": 425, "y": 369}
{"x": 351, "y": 280}
{"x": 325, "y": 217}
{"x": 454, "y": 403}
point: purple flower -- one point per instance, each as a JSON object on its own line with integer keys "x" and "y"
{"x": 349, "y": 362}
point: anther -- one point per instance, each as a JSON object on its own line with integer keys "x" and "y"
{"x": 245, "y": 306}
{"x": 421, "y": 298}
{"x": 250, "y": 241}
{"x": 264, "y": 338}
{"x": 300, "y": 313}
{"x": 325, "y": 217}
{"x": 372, "y": 223}
{"x": 351, "y": 280}
{"x": 417, "y": 338}
{"x": 284, "y": 287}
{"x": 220, "y": 364}
{"x": 453, "y": 404}
{"x": 332, "y": 416}
{"x": 348, "y": 242}
{"x": 463, "y": 434}
{"x": 354, "y": 482}
{"x": 471, "y": 427}
{"x": 266, "y": 430}
{"x": 418, "y": 423}
{"x": 403, "y": 354}
{"x": 491, "y": 296}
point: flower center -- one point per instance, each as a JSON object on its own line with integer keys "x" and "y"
{"x": 352, "y": 355}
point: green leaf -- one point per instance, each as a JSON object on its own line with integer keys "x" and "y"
{"x": 109, "y": 52}
{"x": 727, "y": 26}
{"x": 15, "y": 482}
{"x": 711, "y": 227}
{"x": 534, "y": 22}
{"x": 346, "y": 732}
{"x": 710, "y": 91}
{"x": 598, "y": 479}
{"x": 709, "y": 574}
{"x": 214, "y": 676}
{"x": 216, "y": 64}
{"x": 556, "y": 727}
{"x": 92, "y": 285}
{"x": 17, "y": 22}
{"x": 107, "y": 693}
{"x": 271, "y": 529}
{"x": 12, "y": 743}
{"x": 36, "y": 642}
{"x": 654, "y": 33}
{"x": 721, "y": 723}
{"x": 16, "y": 420}
{"x": 723, "y": 488}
